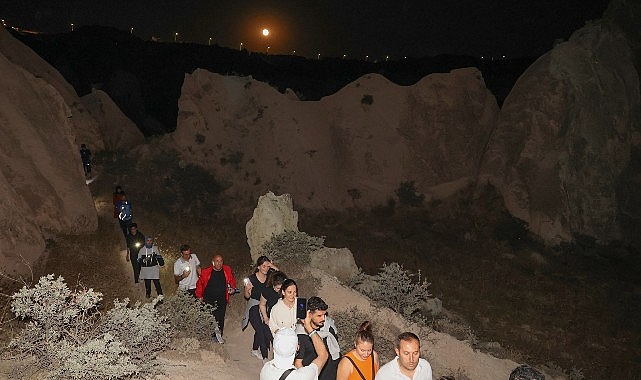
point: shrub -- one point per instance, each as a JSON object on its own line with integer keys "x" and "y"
{"x": 191, "y": 317}
{"x": 292, "y": 245}
{"x": 69, "y": 338}
{"x": 367, "y": 99}
{"x": 407, "y": 194}
{"x": 393, "y": 287}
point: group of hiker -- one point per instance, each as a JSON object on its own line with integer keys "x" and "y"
{"x": 297, "y": 333}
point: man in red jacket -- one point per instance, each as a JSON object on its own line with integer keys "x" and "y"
{"x": 215, "y": 285}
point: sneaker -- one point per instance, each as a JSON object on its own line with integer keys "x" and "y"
{"x": 257, "y": 354}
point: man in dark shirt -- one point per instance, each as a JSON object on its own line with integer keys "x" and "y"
{"x": 215, "y": 285}
{"x": 325, "y": 328}
{"x": 135, "y": 240}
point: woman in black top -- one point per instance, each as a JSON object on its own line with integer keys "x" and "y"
{"x": 254, "y": 287}
{"x": 271, "y": 294}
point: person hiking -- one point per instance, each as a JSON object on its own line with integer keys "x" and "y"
{"x": 125, "y": 215}
{"x": 85, "y": 156}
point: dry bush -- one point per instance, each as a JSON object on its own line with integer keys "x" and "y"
{"x": 458, "y": 330}
{"x": 394, "y": 287}
{"x": 70, "y": 338}
{"x": 189, "y": 316}
{"x": 292, "y": 246}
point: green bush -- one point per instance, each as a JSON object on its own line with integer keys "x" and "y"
{"x": 394, "y": 287}
{"x": 69, "y": 338}
{"x": 292, "y": 245}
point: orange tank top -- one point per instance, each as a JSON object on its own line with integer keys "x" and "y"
{"x": 367, "y": 367}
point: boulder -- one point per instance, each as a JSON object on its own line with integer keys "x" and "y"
{"x": 337, "y": 262}
{"x": 273, "y": 215}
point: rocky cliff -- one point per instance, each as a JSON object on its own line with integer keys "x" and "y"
{"x": 559, "y": 151}
{"x": 353, "y": 148}
{"x": 42, "y": 124}
{"x": 565, "y": 136}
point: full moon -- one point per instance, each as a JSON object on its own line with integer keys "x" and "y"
{"x": 265, "y": 32}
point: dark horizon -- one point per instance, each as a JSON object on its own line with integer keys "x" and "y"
{"x": 410, "y": 28}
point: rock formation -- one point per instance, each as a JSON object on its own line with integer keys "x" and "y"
{"x": 118, "y": 131}
{"x": 42, "y": 124}
{"x": 273, "y": 215}
{"x": 565, "y": 134}
{"x": 353, "y": 148}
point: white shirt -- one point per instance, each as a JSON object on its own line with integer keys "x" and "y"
{"x": 391, "y": 371}
{"x": 282, "y": 316}
{"x": 270, "y": 372}
{"x": 188, "y": 282}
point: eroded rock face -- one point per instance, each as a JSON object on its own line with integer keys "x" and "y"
{"x": 118, "y": 131}
{"x": 565, "y": 134}
{"x": 272, "y": 216}
{"x": 42, "y": 185}
{"x": 353, "y": 148}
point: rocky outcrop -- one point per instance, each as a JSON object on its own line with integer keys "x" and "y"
{"x": 339, "y": 262}
{"x": 42, "y": 185}
{"x": 565, "y": 135}
{"x": 118, "y": 131}
{"x": 353, "y": 148}
{"x": 272, "y": 216}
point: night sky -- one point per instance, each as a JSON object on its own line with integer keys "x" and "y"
{"x": 356, "y": 28}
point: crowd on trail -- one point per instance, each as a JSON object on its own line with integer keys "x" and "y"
{"x": 298, "y": 332}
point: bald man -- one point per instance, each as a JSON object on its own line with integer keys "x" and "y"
{"x": 214, "y": 286}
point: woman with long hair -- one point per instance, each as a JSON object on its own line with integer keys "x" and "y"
{"x": 362, "y": 362}
{"x": 254, "y": 287}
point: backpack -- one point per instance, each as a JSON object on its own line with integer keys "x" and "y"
{"x": 124, "y": 211}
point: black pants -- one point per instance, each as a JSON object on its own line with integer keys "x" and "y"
{"x": 219, "y": 312}
{"x": 262, "y": 333}
{"x": 124, "y": 226}
{"x": 148, "y": 287}
{"x": 136, "y": 266}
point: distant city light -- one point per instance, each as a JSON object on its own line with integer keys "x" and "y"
{"x": 241, "y": 46}
{"x": 209, "y": 43}
{"x": 71, "y": 27}
{"x": 319, "y": 56}
{"x": 265, "y": 32}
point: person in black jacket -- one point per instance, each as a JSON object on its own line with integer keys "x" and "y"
{"x": 135, "y": 241}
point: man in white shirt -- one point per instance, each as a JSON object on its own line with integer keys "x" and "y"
{"x": 187, "y": 270}
{"x": 407, "y": 365}
{"x": 285, "y": 346}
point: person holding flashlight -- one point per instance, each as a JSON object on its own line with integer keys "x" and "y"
{"x": 254, "y": 287}
{"x": 135, "y": 241}
{"x": 187, "y": 270}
